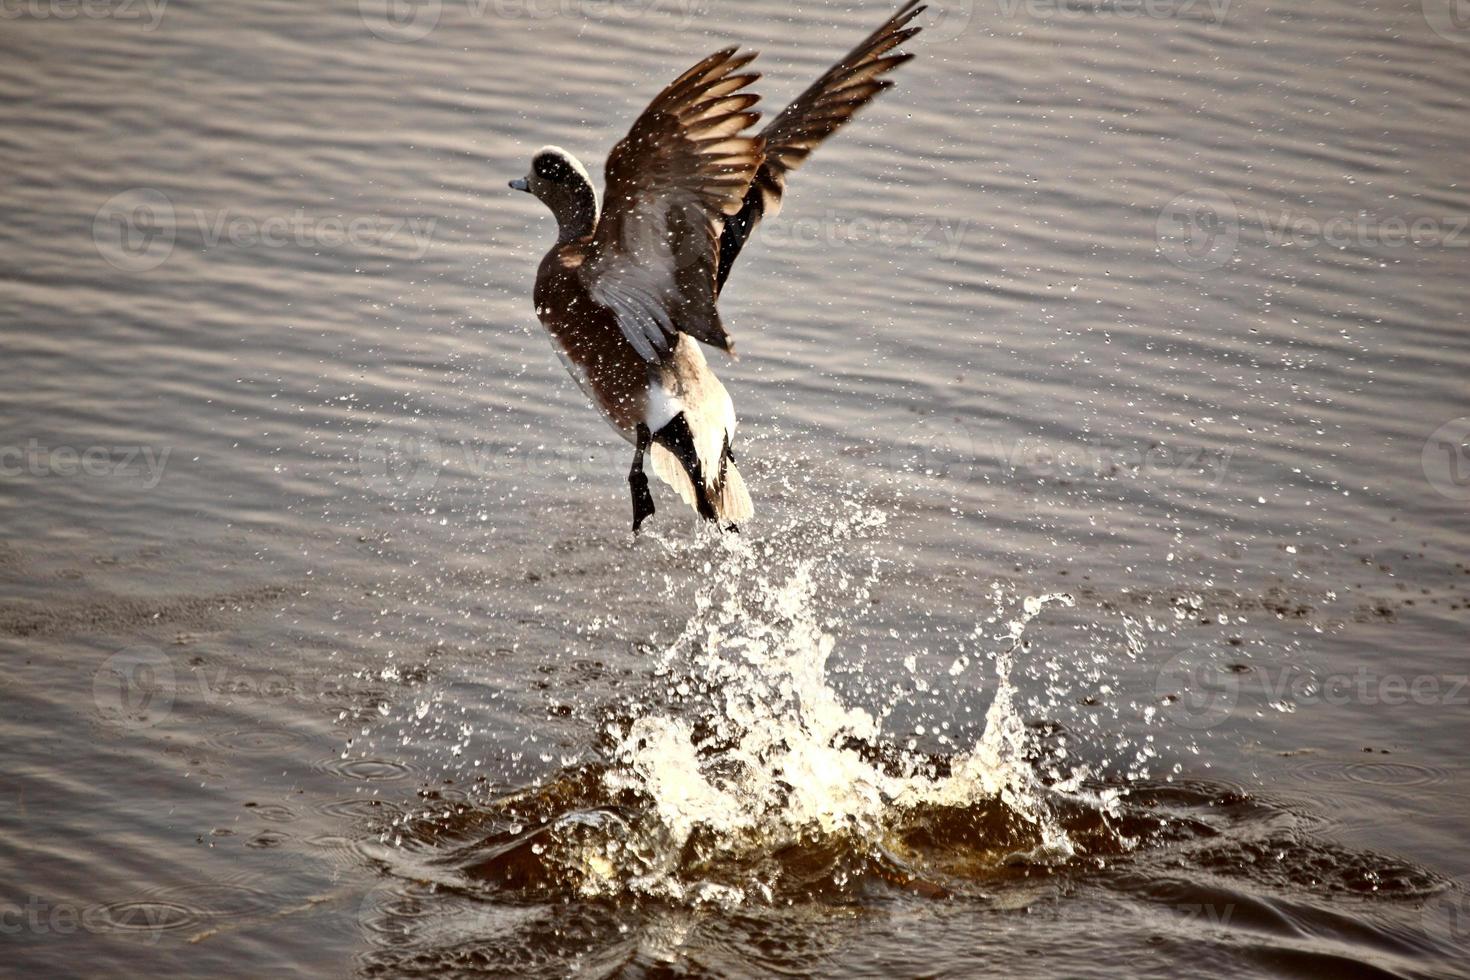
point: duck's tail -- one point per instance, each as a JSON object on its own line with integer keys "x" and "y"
{"x": 732, "y": 500}
{"x": 721, "y": 497}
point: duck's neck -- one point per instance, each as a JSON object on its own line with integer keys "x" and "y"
{"x": 575, "y": 208}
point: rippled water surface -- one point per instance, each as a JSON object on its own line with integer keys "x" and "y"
{"x": 1103, "y": 399}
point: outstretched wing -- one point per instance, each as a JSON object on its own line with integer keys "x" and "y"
{"x": 816, "y": 114}
{"x": 671, "y": 183}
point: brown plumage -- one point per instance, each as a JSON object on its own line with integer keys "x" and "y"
{"x": 671, "y": 182}
{"x": 623, "y": 291}
{"x": 826, "y": 105}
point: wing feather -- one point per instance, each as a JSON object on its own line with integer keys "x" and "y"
{"x": 814, "y": 115}
{"x": 671, "y": 183}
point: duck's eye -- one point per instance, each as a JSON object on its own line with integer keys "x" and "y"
{"x": 552, "y": 168}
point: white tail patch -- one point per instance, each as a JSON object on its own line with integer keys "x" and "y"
{"x": 671, "y": 471}
{"x": 689, "y": 386}
{"x": 731, "y": 500}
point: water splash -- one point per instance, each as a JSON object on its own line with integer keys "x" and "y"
{"x": 749, "y": 777}
{"x": 767, "y": 754}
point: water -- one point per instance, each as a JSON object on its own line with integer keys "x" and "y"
{"x": 1104, "y": 613}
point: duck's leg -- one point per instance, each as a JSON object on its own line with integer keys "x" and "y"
{"x": 638, "y": 480}
{"x": 677, "y": 438}
{"x": 727, "y": 456}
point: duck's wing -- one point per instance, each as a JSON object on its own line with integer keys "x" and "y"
{"x": 671, "y": 183}
{"x": 816, "y": 114}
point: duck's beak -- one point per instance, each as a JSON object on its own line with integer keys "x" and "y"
{"x": 520, "y": 184}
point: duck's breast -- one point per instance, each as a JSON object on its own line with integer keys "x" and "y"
{"x": 585, "y": 335}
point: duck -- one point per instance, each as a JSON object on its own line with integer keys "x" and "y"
{"x": 628, "y": 292}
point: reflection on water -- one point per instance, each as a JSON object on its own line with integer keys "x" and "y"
{"x": 740, "y": 787}
{"x": 1102, "y": 390}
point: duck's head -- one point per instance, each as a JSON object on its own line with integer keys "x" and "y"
{"x": 562, "y": 184}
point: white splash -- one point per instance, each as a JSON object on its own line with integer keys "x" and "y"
{"x": 781, "y": 762}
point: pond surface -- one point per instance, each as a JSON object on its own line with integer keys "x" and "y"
{"x": 1103, "y": 400}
